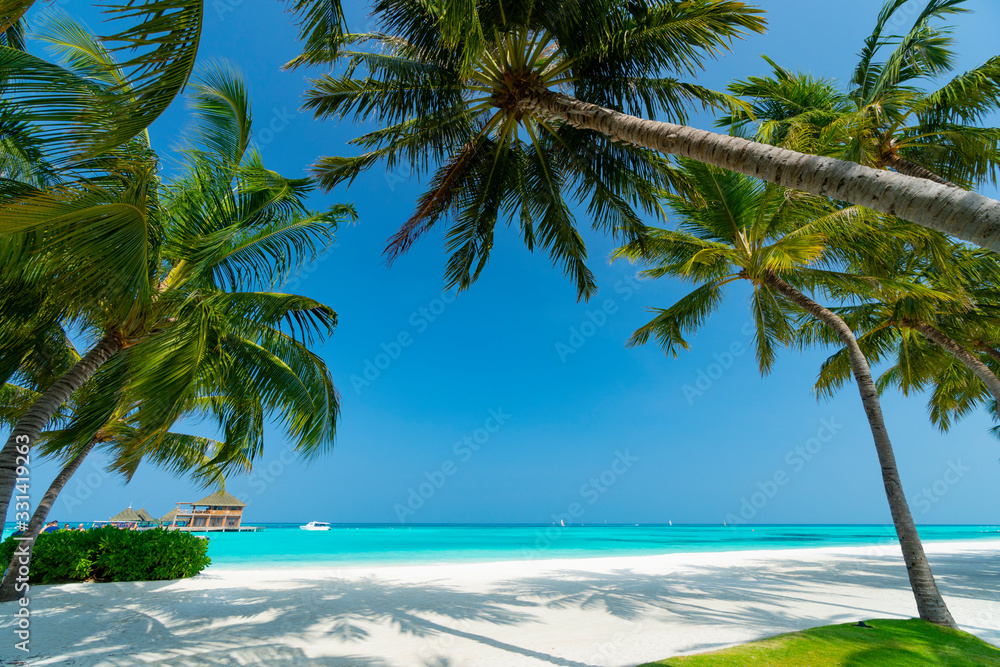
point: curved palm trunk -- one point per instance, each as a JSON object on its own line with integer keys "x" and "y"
{"x": 904, "y": 166}
{"x": 971, "y": 361}
{"x": 38, "y": 415}
{"x": 7, "y": 590}
{"x": 930, "y": 604}
{"x": 954, "y": 211}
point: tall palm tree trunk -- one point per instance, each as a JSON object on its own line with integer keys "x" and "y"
{"x": 930, "y": 604}
{"x": 971, "y": 361}
{"x": 26, "y": 431}
{"x": 34, "y": 528}
{"x": 954, "y": 211}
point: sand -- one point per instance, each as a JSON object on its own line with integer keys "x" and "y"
{"x": 576, "y": 613}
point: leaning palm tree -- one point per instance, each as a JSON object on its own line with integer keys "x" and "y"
{"x": 885, "y": 119}
{"x": 229, "y": 224}
{"x": 253, "y": 371}
{"x": 785, "y": 245}
{"x": 466, "y": 92}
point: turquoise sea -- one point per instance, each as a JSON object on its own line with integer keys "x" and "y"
{"x": 346, "y": 545}
{"x": 368, "y": 544}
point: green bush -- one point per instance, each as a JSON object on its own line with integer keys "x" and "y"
{"x": 112, "y": 554}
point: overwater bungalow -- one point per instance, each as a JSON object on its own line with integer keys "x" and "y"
{"x": 129, "y": 518}
{"x": 220, "y": 511}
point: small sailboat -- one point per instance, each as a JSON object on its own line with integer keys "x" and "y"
{"x": 315, "y": 525}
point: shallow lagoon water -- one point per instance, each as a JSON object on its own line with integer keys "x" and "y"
{"x": 353, "y": 545}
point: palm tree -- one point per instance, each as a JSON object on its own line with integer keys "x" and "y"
{"x": 467, "y": 92}
{"x": 785, "y": 245}
{"x": 885, "y": 120}
{"x": 238, "y": 391}
{"x": 228, "y": 224}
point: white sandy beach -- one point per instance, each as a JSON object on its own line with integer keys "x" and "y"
{"x": 575, "y": 613}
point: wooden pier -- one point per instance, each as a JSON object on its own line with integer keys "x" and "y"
{"x": 218, "y": 529}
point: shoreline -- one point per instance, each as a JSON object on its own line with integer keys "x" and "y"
{"x": 616, "y": 611}
{"x": 889, "y": 543}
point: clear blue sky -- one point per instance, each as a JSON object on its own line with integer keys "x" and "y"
{"x": 565, "y": 421}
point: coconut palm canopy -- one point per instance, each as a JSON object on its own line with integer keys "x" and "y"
{"x": 447, "y": 93}
{"x": 518, "y": 109}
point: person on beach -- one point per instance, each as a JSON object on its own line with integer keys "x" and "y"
{"x": 51, "y": 527}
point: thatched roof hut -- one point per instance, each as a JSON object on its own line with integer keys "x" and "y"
{"x": 127, "y": 514}
{"x": 220, "y": 499}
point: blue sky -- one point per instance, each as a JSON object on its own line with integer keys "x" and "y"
{"x": 482, "y": 416}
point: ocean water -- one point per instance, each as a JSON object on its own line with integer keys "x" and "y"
{"x": 346, "y": 545}
{"x": 370, "y": 544}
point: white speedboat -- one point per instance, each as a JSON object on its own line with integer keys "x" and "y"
{"x": 316, "y": 525}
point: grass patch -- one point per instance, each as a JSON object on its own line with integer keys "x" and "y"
{"x": 912, "y": 643}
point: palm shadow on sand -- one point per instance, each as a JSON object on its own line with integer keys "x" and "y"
{"x": 265, "y": 624}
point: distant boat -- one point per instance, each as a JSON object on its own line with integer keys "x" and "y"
{"x": 315, "y": 525}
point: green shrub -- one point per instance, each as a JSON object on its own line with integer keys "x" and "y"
{"x": 112, "y": 554}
